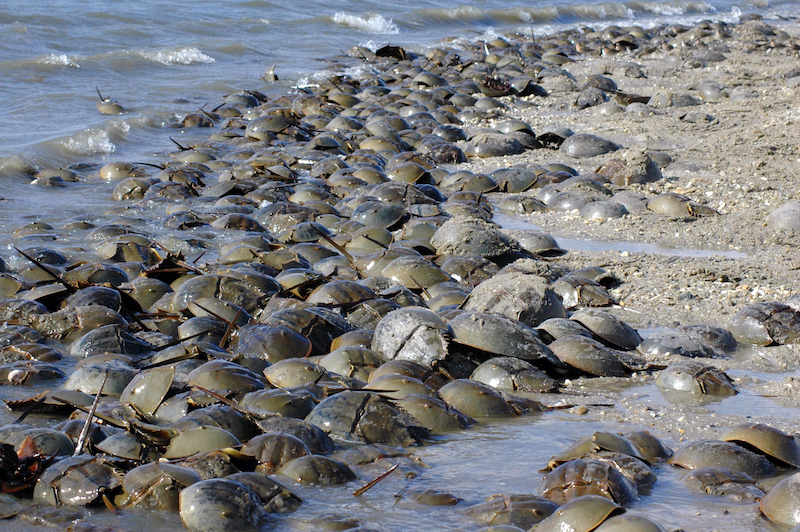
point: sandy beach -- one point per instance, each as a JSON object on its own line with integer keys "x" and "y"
{"x": 722, "y": 123}
{"x": 740, "y": 157}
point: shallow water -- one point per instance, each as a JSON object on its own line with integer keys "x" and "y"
{"x": 149, "y": 54}
{"x": 498, "y": 457}
{"x": 580, "y": 244}
{"x": 161, "y": 60}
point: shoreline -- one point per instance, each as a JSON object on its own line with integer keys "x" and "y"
{"x": 720, "y": 157}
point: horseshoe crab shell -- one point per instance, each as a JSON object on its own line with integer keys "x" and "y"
{"x": 774, "y": 443}
{"x": 220, "y": 505}
{"x": 765, "y": 324}
{"x": 502, "y": 336}
{"x": 781, "y": 503}
{"x": 588, "y": 477}
{"x": 517, "y": 295}
{"x": 712, "y": 453}
{"x": 413, "y": 333}
{"x": 581, "y": 514}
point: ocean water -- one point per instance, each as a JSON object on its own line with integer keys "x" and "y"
{"x": 161, "y": 59}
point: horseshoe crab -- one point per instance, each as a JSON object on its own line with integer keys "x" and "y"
{"x": 599, "y": 441}
{"x": 47, "y": 442}
{"x": 694, "y": 377}
{"x": 628, "y": 522}
{"x": 363, "y": 417}
{"x": 264, "y": 404}
{"x": 155, "y": 486}
{"x": 271, "y": 343}
{"x": 89, "y": 378}
{"x": 516, "y": 295}
{"x": 148, "y": 388}
{"x": 199, "y": 440}
{"x": 665, "y": 344}
{"x": 581, "y": 514}
{"x": 476, "y": 399}
{"x": 499, "y": 335}
{"x": 321, "y": 470}
{"x": 319, "y": 325}
{"x": 397, "y": 386}
{"x": 294, "y": 372}
{"x": 433, "y": 413}
{"x": 77, "y": 481}
{"x": 679, "y": 206}
{"x": 608, "y": 328}
{"x": 522, "y": 511}
{"x": 781, "y": 503}
{"x": 592, "y": 357}
{"x": 775, "y": 444}
{"x": 766, "y": 324}
{"x": 650, "y": 447}
{"x": 713, "y": 453}
{"x": 222, "y": 375}
{"x": 588, "y": 477}
{"x": 314, "y": 437}
{"x": 512, "y": 374}
{"x": 109, "y": 339}
{"x": 575, "y": 291}
{"x": 471, "y": 236}
{"x": 220, "y": 505}
{"x": 585, "y": 145}
{"x": 723, "y": 482}
{"x": 414, "y": 334}
{"x": 351, "y": 361}
{"x": 275, "y": 450}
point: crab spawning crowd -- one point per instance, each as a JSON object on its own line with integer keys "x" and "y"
{"x": 342, "y": 297}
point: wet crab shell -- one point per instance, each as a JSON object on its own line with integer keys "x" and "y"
{"x": 708, "y": 453}
{"x": 320, "y": 470}
{"x": 781, "y": 503}
{"x": 477, "y": 400}
{"x": 599, "y": 441}
{"x": 723, "y": 482}
{"x": 503, "y": 336}
{"x": 774, "y": 443}
{"x": 77, "y": 481}
{"x": 694, "y": 377}
{"x": 155, "y": 486}
{"x": 592, "y": 357}
{"x": 515, "y": 511}
{"x": 629, "y": 523}
{"x": 513, "y": 374}
{"x": 220, "y": 505}
{"x": 765, "y": 324}
{"x": 581, "y": 514}
{"x": 414, "y": 334}
{"x": 362, "y": 417}
{"x": 608, "y": 328}
{"x": 588, "y": 477}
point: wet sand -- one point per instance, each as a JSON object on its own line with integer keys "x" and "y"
{"x": 741, "y": 160}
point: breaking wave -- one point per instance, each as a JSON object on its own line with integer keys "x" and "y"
{"x": 369, "y": 23}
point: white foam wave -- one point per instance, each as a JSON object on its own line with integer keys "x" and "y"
{"x": 177, "y": 56}
{"x": 57, "y": 59}
{"x": 674, "y": 8}
{"x": 370, "y": 23}
{"x": 96, "y": 140}
{"x": 92, "y": 142}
